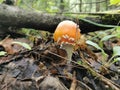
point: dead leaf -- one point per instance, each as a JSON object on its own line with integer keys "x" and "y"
{"x": 7, "y": 44}
{"x": 11, "y": 48}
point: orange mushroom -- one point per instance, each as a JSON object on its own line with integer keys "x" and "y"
{"x": 67, "y": 34}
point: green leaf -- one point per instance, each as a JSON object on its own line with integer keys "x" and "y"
{"x": 79, "y": 62}
{"x": 25, "y": 45}
{"x": 97, "y": 24}
{"x": 114, "y": 2}
{"x": 93, "y": 44}
{"x": 116, "y": 51}
{"x": 116, "y": 60}
{"x": 96, "y": 46}
{"x": 118, "y": 31}
{"x": 118, "y": 28}
{"x": 107, "y": 37}
{"x": 2, "y": 53}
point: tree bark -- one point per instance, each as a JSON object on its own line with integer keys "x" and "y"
{"x": 97, "y": 6}
{"x": 20, "y": 18}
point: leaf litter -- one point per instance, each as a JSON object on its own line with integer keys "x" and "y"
{"x": 45, "y": 67}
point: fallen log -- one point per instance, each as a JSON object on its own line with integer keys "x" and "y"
{"x": 17, "y": 17}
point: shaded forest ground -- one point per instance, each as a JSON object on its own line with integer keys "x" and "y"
{"x": 44, "y": 66}
{"x": 38, "y": 63}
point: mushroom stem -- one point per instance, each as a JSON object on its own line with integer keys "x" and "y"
{"x": 69, "y": 50}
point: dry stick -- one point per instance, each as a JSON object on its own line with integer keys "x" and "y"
{"x": 94, "y": 73}
{"x": 88, "y": 88}
{"x": 110, "y": 83}
{"x": 74, "y": 82}
{"x": 88, "y": 67}
{"x": 73, "y": 85}
{"x": 7, "y": 85}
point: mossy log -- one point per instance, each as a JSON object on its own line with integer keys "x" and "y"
{"x": 17, "y": 17}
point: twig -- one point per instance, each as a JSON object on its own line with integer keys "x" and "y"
{"x": 74, "y": 82}
{"x": 110, "y": 83}
{"x": 88, "y": 88}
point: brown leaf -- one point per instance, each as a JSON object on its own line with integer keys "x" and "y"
{"x": 59, "y": 55}
{"x": 9, "y": 47}
{"x": 7, "y": 44}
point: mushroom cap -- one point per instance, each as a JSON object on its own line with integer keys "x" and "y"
{"x": 67, "y": 32}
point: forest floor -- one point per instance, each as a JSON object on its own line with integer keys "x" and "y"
{"x": 37, "y": 63}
